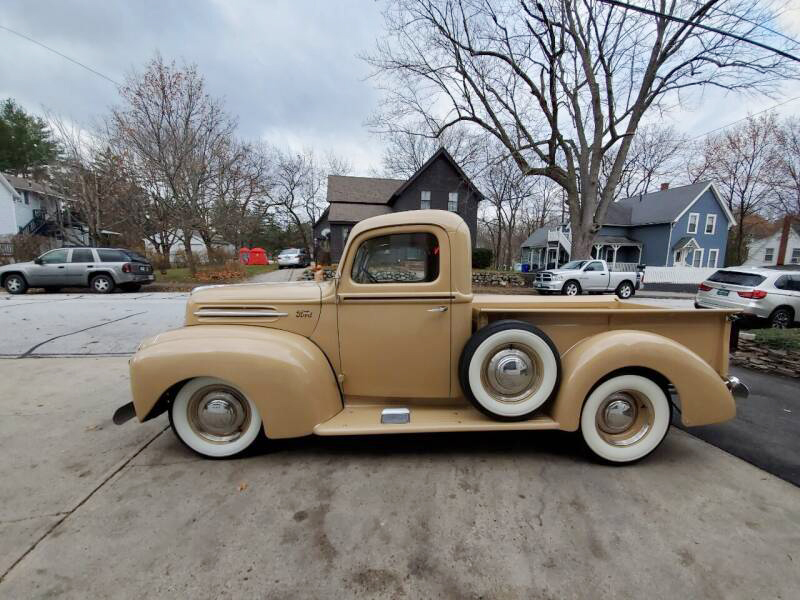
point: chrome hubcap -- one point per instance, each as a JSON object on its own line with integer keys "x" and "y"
{"x": 780, "y": 321}
{"x": 100, "y": 284}
{"x": 13, "y": 284}
{"x": 218, "y": 414}
{"x": 572, "y": 289}
{"x": 624, "y": 418}
{"x": 511, "y": 373}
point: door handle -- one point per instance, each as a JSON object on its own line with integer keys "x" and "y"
{"x": 61, "y": 267}
{"x": 438, "y": 309}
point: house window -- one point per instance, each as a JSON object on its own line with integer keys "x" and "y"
{"x": 345, "y": 234}
{"x": 697, "y": 258}
{"x": 425, "y": 200}
{"x": 452, "y": 202}
{"x": 795, "y": 259}
{"x": 397, "y": 258}
{"x": 694, "y": 219}
{"x": 769, "y": 254}
{"x": 713, "y": 256}
{"x": 711, "y": 224}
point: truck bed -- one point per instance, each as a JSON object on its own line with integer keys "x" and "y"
{"x": 568, "y": 320}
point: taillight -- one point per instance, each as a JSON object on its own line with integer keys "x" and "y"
{"x": 126, "y": 268}
{"x": 703, "y": 288}
{"x": 753, "y": 294}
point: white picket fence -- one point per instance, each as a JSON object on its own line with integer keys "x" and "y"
{"x": 693, "y": 275}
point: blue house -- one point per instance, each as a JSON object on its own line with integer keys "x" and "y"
{"x": 686, "y": 225}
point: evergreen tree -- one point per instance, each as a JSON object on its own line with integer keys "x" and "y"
{"x": 26, "y": 142}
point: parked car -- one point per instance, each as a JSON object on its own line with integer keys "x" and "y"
{"x": 293, "y": 257}
{"x": 769, "y": 294}
{"x": 398, "y": 343}
{"x": 100, "y": 269}
{"x": 578, "y": 276}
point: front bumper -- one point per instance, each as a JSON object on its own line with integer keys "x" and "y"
{"x": 551, "y": 286}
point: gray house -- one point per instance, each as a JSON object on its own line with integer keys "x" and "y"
{"x": 686, "y": 225}
{"x": 438, "y": 184}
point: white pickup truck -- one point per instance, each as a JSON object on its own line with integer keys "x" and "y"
{"x": 578, "y": 276}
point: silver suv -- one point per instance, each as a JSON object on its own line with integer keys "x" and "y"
{"x": 101, "y": 269}
{"x": 770, "y": 294}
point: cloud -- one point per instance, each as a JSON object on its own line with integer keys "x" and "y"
{"x": 289, "y": 67}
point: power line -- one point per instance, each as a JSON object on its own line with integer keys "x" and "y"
{"x": 744, "y": 118}
{"x": 759, "y": 25}
{"x": 61, "y": 54}
{"x": 655, "y": 13}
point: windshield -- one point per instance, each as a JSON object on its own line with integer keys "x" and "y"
{"x": 737, "y": 278}
{"x": 573, "y": 265}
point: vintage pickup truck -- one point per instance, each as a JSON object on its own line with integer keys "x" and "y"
{"x": 577, "y": 276}
{"x": 398, "y": 343}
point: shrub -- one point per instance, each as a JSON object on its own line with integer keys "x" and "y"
{"x": 481, "y": 258}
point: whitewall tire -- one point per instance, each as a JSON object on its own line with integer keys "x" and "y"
{"x": 625, "y": 418}
{"x": 213, "y": 418}
{"x": 509, "y": 369}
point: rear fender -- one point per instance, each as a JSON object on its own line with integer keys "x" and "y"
{"x": 704, "y": 397}
{"x": 286, "y": 375}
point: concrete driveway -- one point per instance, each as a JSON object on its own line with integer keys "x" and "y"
{"x": 88, "y": 509}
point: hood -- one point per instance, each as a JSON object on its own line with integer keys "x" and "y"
{"x": 291, "y": 307}
{"x": 12, "y": 266}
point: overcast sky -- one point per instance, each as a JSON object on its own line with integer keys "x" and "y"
{"x": 287, "y": 68}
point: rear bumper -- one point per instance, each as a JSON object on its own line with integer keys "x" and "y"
{"x": 750, "y": 308}
{"x": 135, "y": 277}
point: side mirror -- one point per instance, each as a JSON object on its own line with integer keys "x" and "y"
{"x": 38, "y": 261}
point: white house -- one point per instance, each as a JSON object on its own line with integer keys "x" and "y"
{"x": 765, "y": 250}
{"x": 31, "y": 207}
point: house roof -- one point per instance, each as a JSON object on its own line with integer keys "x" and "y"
{"x": 616, "y": 239}
{"x": 440, "y": 153}
{"x": 685, "y": 241}
{"x": 347, "y": 212}
{"x": 536, "y": 239}
{"x": 657, "y": 207}
{"x": 21, "y": 183}
{"x": 361, "y": 190}
{"x": 7, "y": 184}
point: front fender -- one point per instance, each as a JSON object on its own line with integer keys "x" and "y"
{"x": 286, "y": 375}
{"x": 704, "y": 397}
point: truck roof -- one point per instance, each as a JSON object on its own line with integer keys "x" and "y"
{"x": 445, "y": 219}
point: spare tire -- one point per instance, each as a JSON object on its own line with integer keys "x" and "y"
{"x": 509, "y": 369}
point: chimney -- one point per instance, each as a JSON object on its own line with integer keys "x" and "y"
{"x": 787, "y": 224}
{"x": 664, "y": 187}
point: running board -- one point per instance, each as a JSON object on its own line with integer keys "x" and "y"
{"x": 368, "y": 420}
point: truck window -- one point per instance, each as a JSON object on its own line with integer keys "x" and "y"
{"x": 594, "y": 266}
{"x": 397, "y": 258}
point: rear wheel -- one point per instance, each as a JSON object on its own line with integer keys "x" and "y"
{"x": 781, "y": 318}
{"x": 102, "y": 284}
{"x": 15, "y": 284}
{"x": 625, "y": 418}
{"x": 214, "y": 419}
{"x": 571, "y": 288}
{"x": 624, "y": 290}
{"x": 509, "y": 369}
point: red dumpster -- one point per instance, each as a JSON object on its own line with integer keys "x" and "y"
{"x": 244, "y": 256}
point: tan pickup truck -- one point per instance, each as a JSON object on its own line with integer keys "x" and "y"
{"x": 398, "y": 343}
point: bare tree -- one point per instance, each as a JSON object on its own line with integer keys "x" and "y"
{"x": 788, "y": 166}
{"x": 177, "y": 133}
{"x": 563, "y": 84}
{"x": 408, "y": 149}
{"x": 742, "y": 162}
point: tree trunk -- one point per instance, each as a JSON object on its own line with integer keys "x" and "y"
{"x": 187, "y": 248}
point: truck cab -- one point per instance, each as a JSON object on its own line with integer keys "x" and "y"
{"x": 397, "y": 342}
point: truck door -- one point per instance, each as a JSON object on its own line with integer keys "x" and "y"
{"x": 81, "y": 261}
{"x": 51, "y": 270}
{"x": 595, "y": 276}
{"x": 394, "y": 301}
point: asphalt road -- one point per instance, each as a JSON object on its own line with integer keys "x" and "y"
{"x": 92, "y": 510}
{"x": 766, "y": 430}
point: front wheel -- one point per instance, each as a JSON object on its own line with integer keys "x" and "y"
{"x": 15, "y": 284}
{"x": 571, "y": 288}
{"x": 624, "y": 290}
{"x": 214, "y": 419}
{"x": 625, "y": 418}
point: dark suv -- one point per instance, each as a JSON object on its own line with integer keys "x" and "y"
{"x": 101, "y": 269}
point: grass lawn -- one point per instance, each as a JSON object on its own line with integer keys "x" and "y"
{"x": 779, "y": 339}
{"x": 181, "y": 275}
